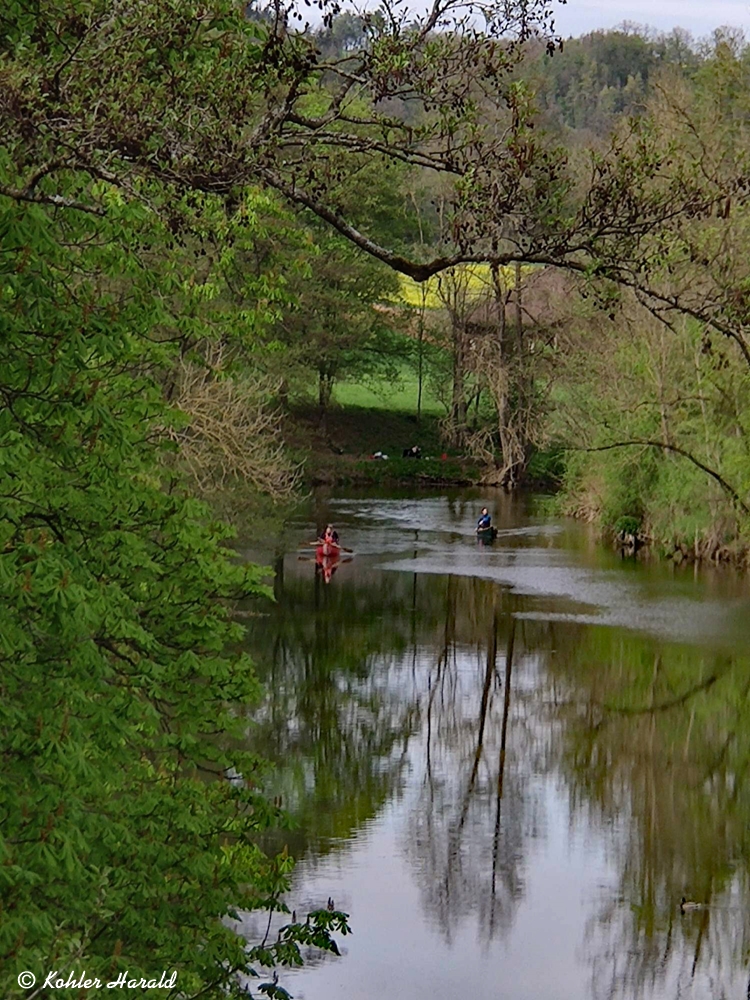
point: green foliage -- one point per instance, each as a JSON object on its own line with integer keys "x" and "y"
{"x": 658, "y": 386}
{"x": 122, "y": 848}
{"x": 338, "y": 321}
{"x": 627, "y": 525}
{"x": 546, "y": 467}
{"x": 605, "y": 74}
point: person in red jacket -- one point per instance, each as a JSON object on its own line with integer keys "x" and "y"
{"x": 328, "y": 536}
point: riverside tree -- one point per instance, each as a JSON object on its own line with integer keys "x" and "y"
{"x": 213, "y": 97}
{"x": 661, "y": 399}
{"x": 122, "y": 847}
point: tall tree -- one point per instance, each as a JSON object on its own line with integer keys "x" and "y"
{"x": 123, "y": 849}
{"x": 344, "y": 320}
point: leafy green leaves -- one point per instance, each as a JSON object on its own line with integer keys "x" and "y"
{"x": 121, "y": 846}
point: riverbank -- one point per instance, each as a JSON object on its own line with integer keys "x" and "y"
{"x": 653, "y": 537}
{"x": 337, "y": 448}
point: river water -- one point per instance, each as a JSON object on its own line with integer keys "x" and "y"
{"x": 508, "y": 763}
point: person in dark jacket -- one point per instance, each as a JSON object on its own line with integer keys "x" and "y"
{"x": 485, "y": 521}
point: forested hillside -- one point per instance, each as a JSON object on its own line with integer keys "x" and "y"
{"x": 212, "y": 216}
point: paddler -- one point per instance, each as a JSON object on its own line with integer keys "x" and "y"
{"x": 329, "y": 536}
{"x": 485, "y": 521}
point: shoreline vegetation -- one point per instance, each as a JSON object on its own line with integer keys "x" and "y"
{"x": 479, "y": 240}
{"x": 337, "y": 449}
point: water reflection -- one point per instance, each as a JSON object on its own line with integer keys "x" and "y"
{"x": 662, "y": 739}
{"x": 510, "y": 799}
{"x": 468, "y": 829}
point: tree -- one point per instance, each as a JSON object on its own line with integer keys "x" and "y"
{"x": 344, "y": 320}
{"x": 122, "y": 847}
{"x": 658, "y": 396}
{"x": 514, "y": 198}
{"x": 597, "y": 78}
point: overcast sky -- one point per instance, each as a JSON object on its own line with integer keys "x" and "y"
{"x": 698, "y": 16}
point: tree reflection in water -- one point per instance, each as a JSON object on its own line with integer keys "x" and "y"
{"x": 333, "y": 723}
{"x": 467, "y": 851}
{"x": 656, "y": 746}
{"x": 430, "y": 689}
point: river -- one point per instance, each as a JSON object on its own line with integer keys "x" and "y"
{"x": 508, "y": 763}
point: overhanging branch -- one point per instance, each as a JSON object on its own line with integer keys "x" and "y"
{"x": 411, "y": 268}
{"x": 730, "y": 490}
{"x": 57, "y": 200}
{"x": 566, "y": 261}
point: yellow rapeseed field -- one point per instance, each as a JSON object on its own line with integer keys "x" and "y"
{"x": 478, "y": 278}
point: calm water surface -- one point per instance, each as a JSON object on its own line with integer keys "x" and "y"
{"x": 509, "y": 763}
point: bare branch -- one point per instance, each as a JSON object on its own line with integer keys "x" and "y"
{"x": 233, "y": 431}
{"x": 57, "y": 200}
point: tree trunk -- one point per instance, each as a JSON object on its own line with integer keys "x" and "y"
{"x": 325, "y": 389}
{"x": 420, "y": 364}
{"x": 524, "y": 392}
{"x": 502, "y": 396}
{"x": 519, "y": 308}
{"x": 458, "y": 409}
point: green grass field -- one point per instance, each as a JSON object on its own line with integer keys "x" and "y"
{"x": 400, "y": 397}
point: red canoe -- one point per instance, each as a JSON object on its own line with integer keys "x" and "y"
{"x": 327, "y": 549}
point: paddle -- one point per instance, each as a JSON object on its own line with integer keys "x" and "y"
{"x": 312, "y": 559}
{"x": 342, "y": 547}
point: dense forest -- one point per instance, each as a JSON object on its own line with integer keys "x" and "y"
{"x": 211, "y": 216}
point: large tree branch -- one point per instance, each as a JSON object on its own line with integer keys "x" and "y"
{"x": 411, "y": 268}
{"x": 24, "y": 194}
{"x": 567, "y": 258}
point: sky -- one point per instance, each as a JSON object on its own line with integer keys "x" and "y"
{"x": 698, "y": 16}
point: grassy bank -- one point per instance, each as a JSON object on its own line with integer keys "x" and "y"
{"x": 335, "y": 447}
{"x": 671, "y": 507}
